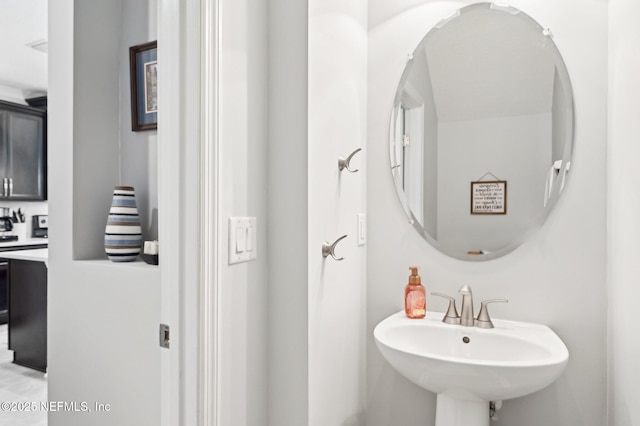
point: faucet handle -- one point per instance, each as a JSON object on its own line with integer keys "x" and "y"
{"x": 465, "y": 290}
{"x": 483, "y": 320}
{"x": 451, "y": 317}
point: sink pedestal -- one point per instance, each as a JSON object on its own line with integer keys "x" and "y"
{"x": 459, "y": 412}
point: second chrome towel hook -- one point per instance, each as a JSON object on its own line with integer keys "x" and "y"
{"x": 329, "y": 249}
{"x": 343, "y": 163}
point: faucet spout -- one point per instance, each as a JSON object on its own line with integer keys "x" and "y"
{"x": 466, "y": 315}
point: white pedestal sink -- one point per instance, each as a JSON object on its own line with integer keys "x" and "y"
{"x": 467, "y": 366}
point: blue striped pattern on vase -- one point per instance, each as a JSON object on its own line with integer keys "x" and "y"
{"x": 123, "y": 234}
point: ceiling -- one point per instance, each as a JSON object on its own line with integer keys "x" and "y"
{"x": 23, "y": 68}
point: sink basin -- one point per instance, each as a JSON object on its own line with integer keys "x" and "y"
{"x": 468, "y": 366}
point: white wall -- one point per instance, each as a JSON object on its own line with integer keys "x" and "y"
{"x": 556, "y": 278}
{"x": 317, "y": 113}
{"x": 243, "y": 191}
{"x": 623, "y": 212}
{"x": 288, "y": 307}
{"x": 337, "y": 126}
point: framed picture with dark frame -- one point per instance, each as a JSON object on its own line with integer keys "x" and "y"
{"x": 143, "y": 63}
{"x": 489, "y": 197}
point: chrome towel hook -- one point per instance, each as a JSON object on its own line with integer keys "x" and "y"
{"x": 344, "y": 163}
{"x": 329, "y": 249}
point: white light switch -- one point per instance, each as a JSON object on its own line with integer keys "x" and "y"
{"x": 251, "y": 238}
{"x": 242, "y": 239}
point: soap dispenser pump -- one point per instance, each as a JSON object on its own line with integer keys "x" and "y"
{"x": 415, "y": 301}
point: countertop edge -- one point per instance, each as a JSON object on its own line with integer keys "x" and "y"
{"x": 35, "y": 255}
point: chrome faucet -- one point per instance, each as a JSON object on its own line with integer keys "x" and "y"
{"x": 466, "y": 315}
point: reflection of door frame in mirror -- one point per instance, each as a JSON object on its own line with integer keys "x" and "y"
{"x": 413, "y": 159}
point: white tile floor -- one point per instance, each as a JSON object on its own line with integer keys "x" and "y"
{"x": 19, "y": 384}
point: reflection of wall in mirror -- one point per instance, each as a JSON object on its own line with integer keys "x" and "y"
{"x": 559, "y": 129}
{"x": 418, "y": 97}
{"x": 516, "y": 149}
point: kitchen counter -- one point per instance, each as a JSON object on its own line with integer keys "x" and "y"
{"x": 28, "y": 242}
{"x": 36, "y": 255}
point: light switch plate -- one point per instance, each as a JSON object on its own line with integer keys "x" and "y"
{"x": 242, "y": 239}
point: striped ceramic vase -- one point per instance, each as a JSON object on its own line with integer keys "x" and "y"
{"x": 123, "y": 234}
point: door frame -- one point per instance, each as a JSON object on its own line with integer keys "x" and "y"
{"x": 210, "y": 320}
{"x": 188, "y": 46}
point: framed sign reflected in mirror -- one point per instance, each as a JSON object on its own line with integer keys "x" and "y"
{"x": 489, "y": 197}
{"x": 143, "y": 62}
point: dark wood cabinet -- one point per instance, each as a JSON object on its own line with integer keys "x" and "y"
{"x": 4, "y": 303}
{"x": 23, "y": 152}
{"x": 28, "y": 313}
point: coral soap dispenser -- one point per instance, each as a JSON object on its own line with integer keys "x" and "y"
{"x": 415, "y": 300}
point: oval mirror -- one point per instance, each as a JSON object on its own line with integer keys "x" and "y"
{"x": 482, "y": 131}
